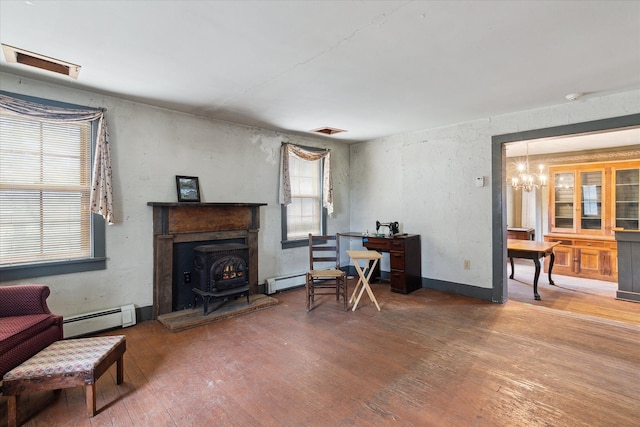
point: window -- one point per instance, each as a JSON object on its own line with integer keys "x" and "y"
{"x": 46, "y": 226}
{"x": 305, "y": 214}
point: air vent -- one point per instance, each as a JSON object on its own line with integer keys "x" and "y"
{"x": 328, "y": 131}
{"x": 21, "y": 56}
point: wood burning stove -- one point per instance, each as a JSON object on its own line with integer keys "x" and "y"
{"x": 222, "y": 272}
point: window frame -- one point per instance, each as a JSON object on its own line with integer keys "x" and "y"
{"x": 301, "y": 242}
{"x": 97, "y": 260}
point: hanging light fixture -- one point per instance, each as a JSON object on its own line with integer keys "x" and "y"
{"x": 527, "y": 180}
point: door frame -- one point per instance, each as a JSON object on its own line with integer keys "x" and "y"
{"x": 499, "y": 185}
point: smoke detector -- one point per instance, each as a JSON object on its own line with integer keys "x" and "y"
{"x": 574, "y": 96}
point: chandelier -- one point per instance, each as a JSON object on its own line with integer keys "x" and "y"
{"x": 527, "y": 180}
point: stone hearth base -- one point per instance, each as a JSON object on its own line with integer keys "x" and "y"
{"x": 185, "y": 319}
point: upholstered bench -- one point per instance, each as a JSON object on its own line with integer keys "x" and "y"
{"x": 64, "y": 364}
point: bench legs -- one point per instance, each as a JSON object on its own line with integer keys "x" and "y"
{"x": 90, "y": 396}
{"x": 90, "y": 389}
{"x": 12, "y": 409}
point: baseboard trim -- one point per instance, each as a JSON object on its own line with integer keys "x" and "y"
{"x": 144, "y": 313}
{"x": 459, "y": 289}
{"x": 628, "y": 296}
{"x": 442, "y": 285}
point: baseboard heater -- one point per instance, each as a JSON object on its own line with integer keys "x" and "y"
{"x": 281, "y": 283}
{"x": 95, "y": 321}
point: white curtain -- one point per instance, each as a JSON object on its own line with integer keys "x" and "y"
{"x": 101, "y": 190}
{"x": 301, "y": 153}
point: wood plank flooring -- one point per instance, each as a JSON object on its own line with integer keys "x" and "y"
{"x": 573, "y": 294}
{"x": 427, "y": 359}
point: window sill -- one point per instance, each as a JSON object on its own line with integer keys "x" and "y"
{"x": 288, "y": 244}
{"x": 27, "y": 271}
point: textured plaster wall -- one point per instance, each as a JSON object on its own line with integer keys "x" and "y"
{"x": 426, "y": 181}
{"x": 149, "y": 146}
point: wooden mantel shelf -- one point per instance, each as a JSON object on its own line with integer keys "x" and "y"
{"x": 198, "y": 204}
{"x": 175, "y": 223}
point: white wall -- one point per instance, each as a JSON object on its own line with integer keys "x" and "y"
{"x": 149, "y": 146}
{"x": 426, "y": 181}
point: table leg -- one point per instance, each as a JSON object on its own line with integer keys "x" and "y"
{"x": 512, "y": 271}
{"x": 365, "y": 285}
{"x": 12, "y": 410}
{"x": 90, "y": 394}
{"x": 536, "y": 262}
{"x": 551, "y": 261}
{"x": 120, "y": 370}
{"x": 361, "y": 275}
{"x": 355, "y": 304}
{"x": 369, "y": 291}
{"x": 355, "y": 289}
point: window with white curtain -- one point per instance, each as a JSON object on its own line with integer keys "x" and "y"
{"x": 45, "y": 185}
{"x": 304, "y": 214}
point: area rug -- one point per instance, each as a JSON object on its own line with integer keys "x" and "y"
{"x": 190, "y": 318}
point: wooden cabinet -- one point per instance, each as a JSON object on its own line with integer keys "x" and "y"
{"x": 405, "y": 259}
{"x": 593, "y": 258}
{"x": 577, "y": 200}
{"x": 564, "y": 257}
{"x": 626, "y": 194}
{"x": 586, "y": 203}
{"x": 521, "y": 233}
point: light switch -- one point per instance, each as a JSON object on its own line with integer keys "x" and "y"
{"x": 480, "y": 181}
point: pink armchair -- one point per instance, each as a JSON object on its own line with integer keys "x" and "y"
{"x": 26, "y": 324}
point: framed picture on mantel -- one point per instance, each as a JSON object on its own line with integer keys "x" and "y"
{"x": 188, "y": 188}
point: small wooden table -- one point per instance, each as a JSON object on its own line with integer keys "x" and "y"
{"x": 529, "y": 249}
{"x": 521, "y": 233}
{"x": 364, "y": 279}
{"x": 64, "y": 364}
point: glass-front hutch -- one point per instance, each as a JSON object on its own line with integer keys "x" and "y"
{"x": 627, "y": 197}
{"x": 577, "y": 201}
{"x": 586, "y": 203}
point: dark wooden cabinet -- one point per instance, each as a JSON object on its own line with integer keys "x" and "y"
{"x": 405, "y": 259}
{"x": 521, "y": 233}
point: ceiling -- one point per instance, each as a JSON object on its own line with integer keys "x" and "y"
{"x": 561, "y": 144}
{"x": 373, "y": 68}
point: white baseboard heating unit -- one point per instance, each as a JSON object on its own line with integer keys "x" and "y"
{"x": 82, "y": 324}
{"x": 281, "y": 283}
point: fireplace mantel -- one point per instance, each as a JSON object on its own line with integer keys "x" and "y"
{"x": 192, "y": 222}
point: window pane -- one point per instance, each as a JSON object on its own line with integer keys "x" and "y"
{"x": 44, "y": 190}
{"x": 303, "y": 217}
{"x": 304, "y": 214}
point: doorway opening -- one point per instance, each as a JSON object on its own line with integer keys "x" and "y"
{"x": 538, "y": 139}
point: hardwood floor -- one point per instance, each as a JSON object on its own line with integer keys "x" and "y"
{"x": 427, "y": 359}
{"x": 573, "y": 294}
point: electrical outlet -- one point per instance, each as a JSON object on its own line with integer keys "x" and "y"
{"x": 467, "y": 264}
{"x": 187, "y": 277}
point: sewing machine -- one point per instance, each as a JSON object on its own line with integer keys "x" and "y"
{"x": 394, "y": 227}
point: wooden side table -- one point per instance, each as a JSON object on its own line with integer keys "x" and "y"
{"x": 364, "y": 279}
{"x": 532, "y": 250}
{"x": 65, "y": 364}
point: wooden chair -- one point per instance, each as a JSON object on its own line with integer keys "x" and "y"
{"x": 324, "y": 269}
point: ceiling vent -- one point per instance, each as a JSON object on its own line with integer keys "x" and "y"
{"x": 328, "y": 131}
{"x": 21, "y": 56}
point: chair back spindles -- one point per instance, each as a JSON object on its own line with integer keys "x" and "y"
{"x": 324, "y": 268}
